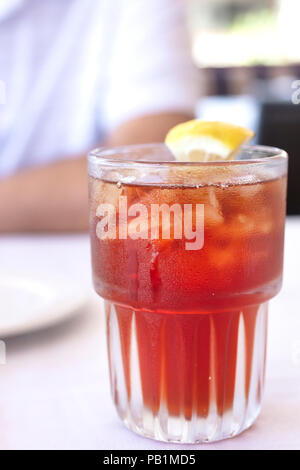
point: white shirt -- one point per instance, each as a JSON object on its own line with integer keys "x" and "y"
{"x": 72, "y": 70}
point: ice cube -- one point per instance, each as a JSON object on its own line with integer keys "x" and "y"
{"x": 249, "y": 191}
{"x": 103, "y": 192}
{"x": 212, "y": 198}
{"x": 240, "y": 225}
{"x": 212, "y": 216}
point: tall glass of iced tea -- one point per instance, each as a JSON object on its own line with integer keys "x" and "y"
{"x": 187, "y": 256}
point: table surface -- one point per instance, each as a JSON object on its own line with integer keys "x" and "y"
{"x": 54, "y": 387}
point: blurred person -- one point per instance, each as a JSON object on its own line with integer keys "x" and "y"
{"x": 79, "y": 74}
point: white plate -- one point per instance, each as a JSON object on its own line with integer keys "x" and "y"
{"x": 31, "y": 303}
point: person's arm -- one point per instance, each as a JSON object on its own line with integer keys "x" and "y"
{"x": 54, "y": 197}
{"x": 47, "y": 198}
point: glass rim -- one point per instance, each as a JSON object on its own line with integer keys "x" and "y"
{"x": 104, "y": 156}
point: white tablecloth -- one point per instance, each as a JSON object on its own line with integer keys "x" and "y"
{"x": 54, "y": 389}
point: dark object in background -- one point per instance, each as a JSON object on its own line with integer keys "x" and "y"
{"x": 280, "y": 127}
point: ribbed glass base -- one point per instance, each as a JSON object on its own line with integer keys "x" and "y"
{"x": 187, "y": 378}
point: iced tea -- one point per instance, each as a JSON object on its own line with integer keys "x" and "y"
{"x": 187, "y": 328}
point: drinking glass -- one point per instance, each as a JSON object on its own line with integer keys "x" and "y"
{"x": 187, "y": 256}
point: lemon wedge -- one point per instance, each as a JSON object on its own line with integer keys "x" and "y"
{"x": 206, "y": 141}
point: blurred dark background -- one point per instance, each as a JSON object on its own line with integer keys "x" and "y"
{"x": 250, "y": 71}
